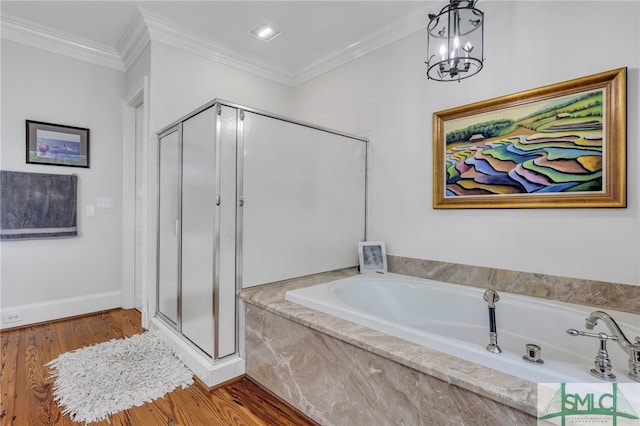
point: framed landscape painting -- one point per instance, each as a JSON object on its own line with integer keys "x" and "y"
{"x": 57, "y": 145}
{"x": 557, "y": 146}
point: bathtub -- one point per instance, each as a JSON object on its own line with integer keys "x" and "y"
{"x": 454, "y": 319}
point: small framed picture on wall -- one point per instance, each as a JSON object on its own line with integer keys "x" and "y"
{"x": 373, "y": 256}
{"x": 57, "y": 145}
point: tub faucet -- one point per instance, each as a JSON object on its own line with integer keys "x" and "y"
{"x": 491, "y": 297}
{"x": 631, "y": 349}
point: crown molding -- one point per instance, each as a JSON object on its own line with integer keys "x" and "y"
{"x": 173, "y": 34}
{"x": 133, "y": 41}
{"x": 60, "y": 42}
{"x": 410, "y": 23}
{"x": 146, "y": 26}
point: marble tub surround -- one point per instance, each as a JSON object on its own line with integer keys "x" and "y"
{"x": 338, "y": 383}
{"x": 599, "y": 294}
{"x": 326, "y": 367}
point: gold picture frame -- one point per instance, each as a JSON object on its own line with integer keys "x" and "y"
{"x": 557, "y": 146}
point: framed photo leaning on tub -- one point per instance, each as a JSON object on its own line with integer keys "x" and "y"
{"x": 373, "y": 257}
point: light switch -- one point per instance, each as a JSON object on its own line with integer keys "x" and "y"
{"x": 104, "y": 203}
{"x": 91, "y": 210}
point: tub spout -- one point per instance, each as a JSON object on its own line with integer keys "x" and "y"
{"x": 631, "y": 349}
{"x": 491, "y": 297}
{"x": 613, "y": 327}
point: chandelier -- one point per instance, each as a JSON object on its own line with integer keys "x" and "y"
{"x": 455, "y": 41}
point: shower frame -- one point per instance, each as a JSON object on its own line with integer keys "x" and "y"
{"x": 241, "y": 115}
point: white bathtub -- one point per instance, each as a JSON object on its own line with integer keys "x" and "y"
{"x": 454, "y": 319}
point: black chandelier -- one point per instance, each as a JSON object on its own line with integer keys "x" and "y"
{"x": 455, "y": 41}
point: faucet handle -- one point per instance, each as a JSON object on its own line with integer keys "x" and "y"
{"x": 601, "y": 336}
{"x": 634, "y": 361}
{"x": 491, "y": 297}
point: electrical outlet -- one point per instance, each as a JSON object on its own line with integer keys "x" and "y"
{"x": 8, "y": 317}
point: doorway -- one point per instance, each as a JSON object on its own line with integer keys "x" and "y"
{"x": 139, "y": 202}
{"x": 135, "y": 198}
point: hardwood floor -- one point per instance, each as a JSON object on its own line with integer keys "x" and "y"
{"x": 26, "y": 397}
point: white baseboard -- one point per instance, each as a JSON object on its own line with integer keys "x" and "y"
{"x": 57, "y": 309}
{"x": 209, "y": 372}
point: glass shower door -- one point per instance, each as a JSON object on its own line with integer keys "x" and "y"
{"x": 197, "y": 229}
{"x": 169, "y": 221}
{"x": 199, "y": 217}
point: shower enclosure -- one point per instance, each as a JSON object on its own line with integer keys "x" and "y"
{"x": 246, "y": 198}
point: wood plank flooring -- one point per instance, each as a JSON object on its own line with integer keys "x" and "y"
{"x": 26, "y": 397}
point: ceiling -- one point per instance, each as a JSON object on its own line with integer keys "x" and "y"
{"x": 316, "y": 34}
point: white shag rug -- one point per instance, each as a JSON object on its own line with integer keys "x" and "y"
{"x": 94, "y": 382}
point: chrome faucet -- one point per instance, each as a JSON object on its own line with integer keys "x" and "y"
{"x": 491, "y": 297}
{"x": 631, "y": 349}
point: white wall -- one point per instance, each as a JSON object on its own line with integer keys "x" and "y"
{"x": 182, "y": 81}
{"x": 527, "y": 45}
{"x": 140, "y": 68}
{"x": 48, "y": 279}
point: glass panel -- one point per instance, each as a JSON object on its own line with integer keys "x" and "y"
{"x": 169, "y": 226}
{"x": 198, "y": 228}
{"x": 226, "y": 306}
{"x": 304, "y": 192}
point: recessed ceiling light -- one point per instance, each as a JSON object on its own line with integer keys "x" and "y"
{"x": 265, "y": 31}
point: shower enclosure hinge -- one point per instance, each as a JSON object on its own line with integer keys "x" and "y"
{"x": 241, "y": 115}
